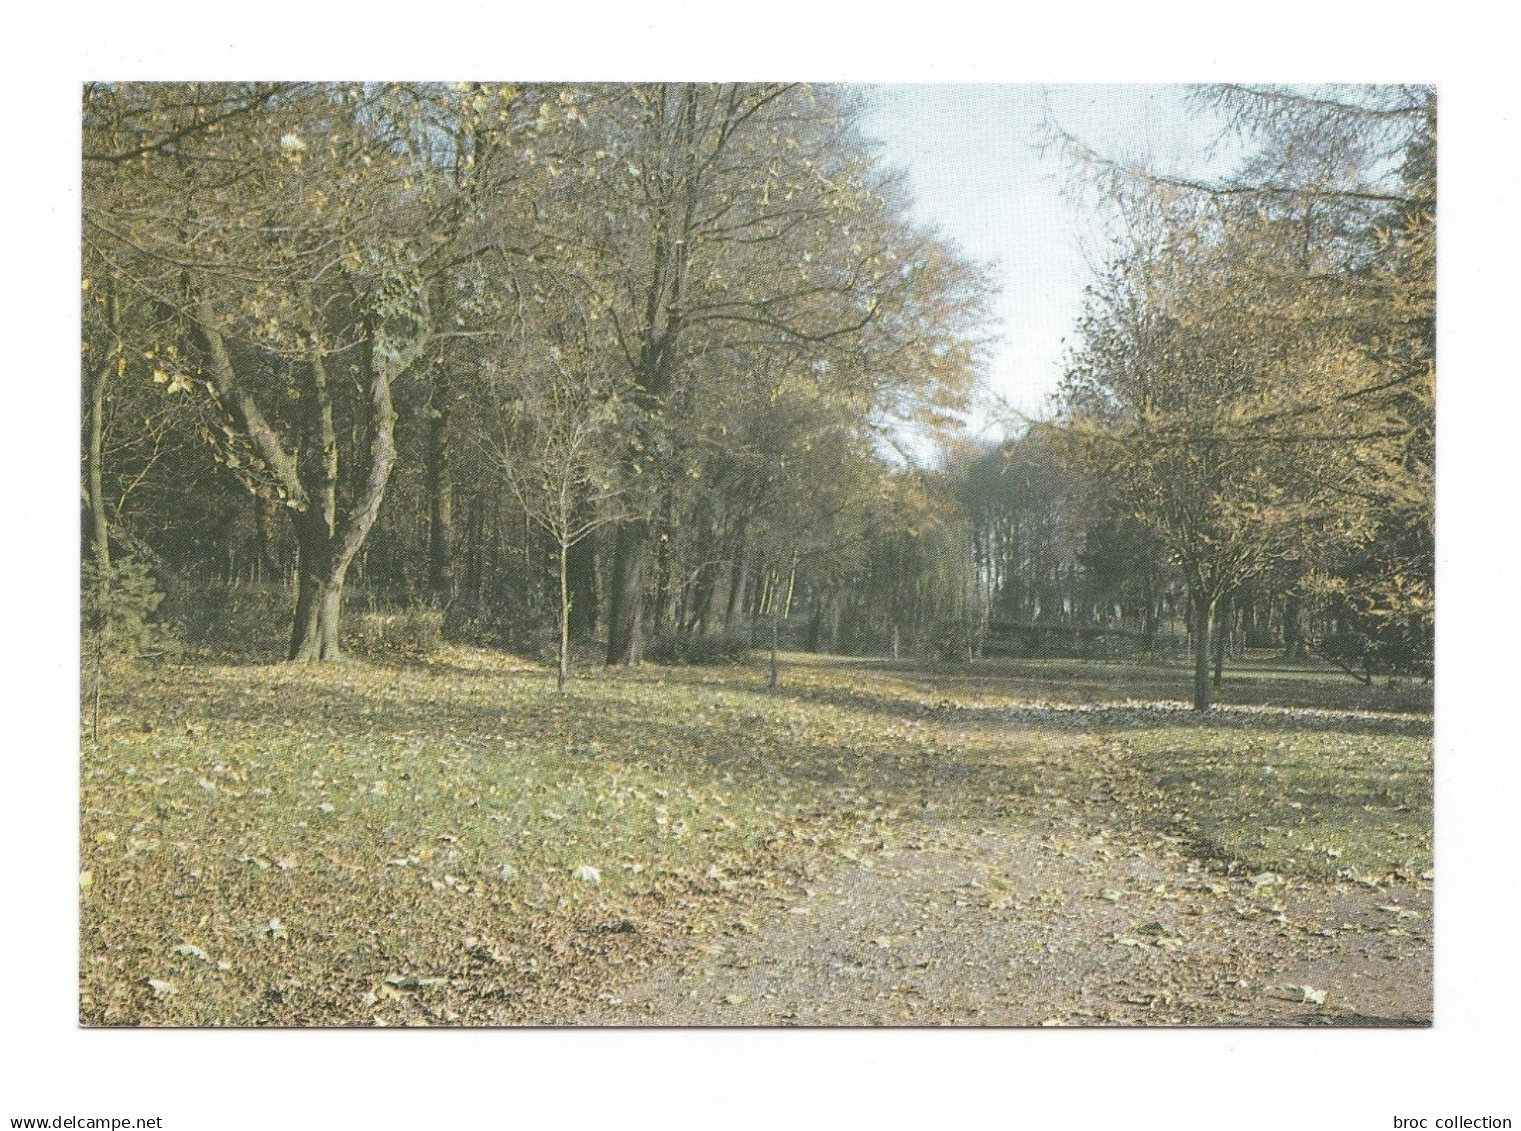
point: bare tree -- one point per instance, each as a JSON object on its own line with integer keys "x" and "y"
{"x": 555, "y": 455}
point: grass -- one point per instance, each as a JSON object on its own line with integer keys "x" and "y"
{"x": 1317, "y": 804}
{"x": 1260, "y": 680}
{"x": 326, "y": 845}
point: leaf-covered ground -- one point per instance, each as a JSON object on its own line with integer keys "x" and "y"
{"x": 448, "y": 842}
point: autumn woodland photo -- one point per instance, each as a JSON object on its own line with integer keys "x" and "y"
{"x": 756, "y": 554}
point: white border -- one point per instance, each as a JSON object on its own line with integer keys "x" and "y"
{"x": 1244, "y": 1079}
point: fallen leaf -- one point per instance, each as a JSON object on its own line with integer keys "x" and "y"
{"x": 1292, "y": 992}
{"x": 413, "y": 982}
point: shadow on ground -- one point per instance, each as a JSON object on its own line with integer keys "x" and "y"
{"x": 1099, "y": 716}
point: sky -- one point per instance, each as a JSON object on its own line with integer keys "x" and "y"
{"x": 977, "y": 174}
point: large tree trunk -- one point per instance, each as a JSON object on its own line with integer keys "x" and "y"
{"x": 1293, "y": 631}
{"x": 307, "y": 475}
{"x": 702, "y": 605}
{"x": 815, "y": 626}
{"x": 626, "y": 613}
{"x": 319, "y": 593}
{"x": 1203, "y": 613}
{"x": 100, "y": 531}
{"x": 672, "y": 221}
{"x": 668, "y": 586}
{"x": 320, "y": 572}
{"x": 319, "y": 606}
{"x": 475, "y": 556}
{"x": 328, "y": 545}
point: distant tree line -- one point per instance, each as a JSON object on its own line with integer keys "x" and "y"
{"x": 624, "y": 360}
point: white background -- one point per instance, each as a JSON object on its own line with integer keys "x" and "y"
{"x": 1044, "y": 1078}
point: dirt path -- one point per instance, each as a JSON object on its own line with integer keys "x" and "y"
{"x": 1048, "y": 919}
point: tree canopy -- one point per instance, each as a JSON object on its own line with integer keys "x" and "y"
{"x": 631, "y": 367}
{"x": 340, "y": 297}
{"x": 1255, "y": 377}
